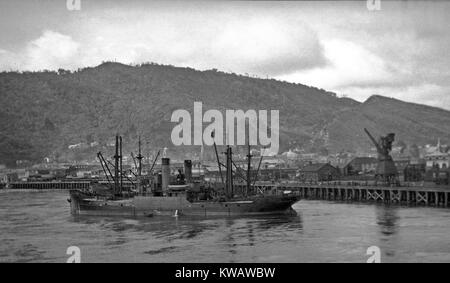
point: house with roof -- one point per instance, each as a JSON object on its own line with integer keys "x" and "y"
{"x": 360, "y": 165}
{"x": 437, "y": 157}
{"x": 318, "y": 172}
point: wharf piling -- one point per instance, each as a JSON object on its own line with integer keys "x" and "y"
{"x": 438, "y": 196}
{"x": 406, "y": 195}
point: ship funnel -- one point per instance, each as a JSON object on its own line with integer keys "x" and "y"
{"x": 165, "y": 173}
{"x": 188, "y": 170}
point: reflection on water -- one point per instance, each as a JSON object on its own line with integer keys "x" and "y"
{"x": 38, "y": 227}
{"x": 178, "y": 228}
{"x": 387, "y": 218}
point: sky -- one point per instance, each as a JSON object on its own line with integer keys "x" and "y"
{"x": 400, "y": 51}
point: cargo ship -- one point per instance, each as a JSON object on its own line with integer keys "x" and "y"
{"x": 184, "y": 197}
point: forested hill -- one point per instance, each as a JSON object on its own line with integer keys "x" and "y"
{"x": 42, "y": 113}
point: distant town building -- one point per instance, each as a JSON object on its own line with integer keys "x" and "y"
{"x": 308, "y": 157}
{"x": 414, "y": 172}
{"x": 440, "y": 176}
{"x": 9, "y": 178}
{"x": 272, "y": 162}
{"x": 78, "y": 146}
{"x": 290, "y": 155}
{"x": 437, "y": 157}
{"x": 442, "y": 160}
{"x": 401, "y": 164}
{"x": 361, "y": 165}
{"x": 438, "y": 148}
{"x": 23, "y": 163}
{"x": 85, "y": 170}
{"x": 318, "y": 172}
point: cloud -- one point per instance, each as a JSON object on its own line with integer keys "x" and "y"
{"x": 357, "y": 72}
{"x": 398, "y": 51}
{"x": 268, "y": 47}
{"x": 258, "y": 44}
{"x": 50, "y": 51}
{"x": 349, "y": 64}
{"x": 427, "y": 94}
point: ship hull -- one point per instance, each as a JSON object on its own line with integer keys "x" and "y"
{"x": 82, "y": 204}
{"x": 180, "y": 206}
{"x": 151, "y": 205}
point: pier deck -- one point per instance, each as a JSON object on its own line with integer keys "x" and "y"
{"x": 59, "y": 185}
{"x": 408, "y": 195}
{"x": 438, "y": 196}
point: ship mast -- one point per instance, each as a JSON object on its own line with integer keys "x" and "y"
{"x": 217, "y": 156}
{"x": 153, "y": 164}
{"x": 139, "y": 158}
{"x": 134, "y": 161}
{"x": 121, "y": 164}
{"x": 229, "y": 180}
{"x": 249, "y": 162}
{"x": 116, "y": 167}
{"x": 259, "y": 166}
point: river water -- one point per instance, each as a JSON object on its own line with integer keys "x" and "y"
{"x": 38, "y": 227}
